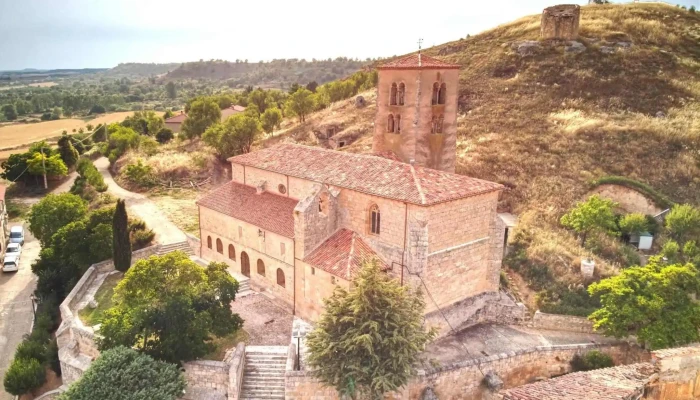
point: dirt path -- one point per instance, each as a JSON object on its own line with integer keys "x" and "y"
{"x": 142, "y": 207}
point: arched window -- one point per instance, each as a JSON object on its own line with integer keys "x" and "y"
{"x": 443, "y": 94}
{"x": 375, "y": 220}
{"x": 209, "y": 241}
{"x": 433, "y": 125}
{"x": 280, "y": 277}
{"x": 392, "y": 95}
{"x": 436, "y": 89}
{"x": 390, "y": 124}
{"x": 219, "y": 246}
{"x": 402, "y": 94}
{"x": 231, "y": 252}
{"x": 261, "y": 267}
{"x": 245, "y": 264}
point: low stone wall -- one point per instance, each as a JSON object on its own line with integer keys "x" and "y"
{"x": 195, "y": 244}
{"x": 235, "y": 372}
{"x": 558, "y": 322}
{"x": 76, "y": 342}
{"x": 494, "y": 307}
{"x": 463, "y": 380}
{"x": 206, "y": 378}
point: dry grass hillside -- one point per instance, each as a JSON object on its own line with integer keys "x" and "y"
{"x": 545, "y": 119}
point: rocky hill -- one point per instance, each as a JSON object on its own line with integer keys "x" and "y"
{"x": 276, "y": 73}
{"x": 547, "y": 118}
{"x": 140, "y": 69}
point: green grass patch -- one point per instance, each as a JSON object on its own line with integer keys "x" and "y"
{"x": 224, "y": 343}
{"x": 16, "y": 209}
{"x": 658, "y": 198}
{"x": 90, "y": 316}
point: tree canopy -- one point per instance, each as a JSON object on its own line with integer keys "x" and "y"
{"x": 300, "y": 103}
{"x": 168, "y": 307}
{"x": 596, "y": 213}
{"x": 53, "y": 212}
{"x": 234, "y": 136}
{"x": 369, "y": 338}
{"x": 271, "y": 119}
{"x": 655, "y": 303}
{"x": 125, "y": 374}
{"x": 202, "y": 114}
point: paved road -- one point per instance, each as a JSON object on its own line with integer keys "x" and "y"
{"x": 15, "y": 305}
{"x": 142, "y": 207}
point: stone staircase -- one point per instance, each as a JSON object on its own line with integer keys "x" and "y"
{"x": 263, "y": 375}
{"x": 182, "y": 246}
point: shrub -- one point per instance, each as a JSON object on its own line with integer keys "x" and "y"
{"x": 136, "y": 224}
{"x": 97, "y": 109}
{"x": 164, "y": 135}
{"x": 140, "y": 174}
{"x": 52, "y": 357}
{"x": 31, "y": 349}
{"x": 141, "y": 238}
{"x": 149, "y": 146}
{"x": 23, "y": 376}
{"x": 592, "y": 360}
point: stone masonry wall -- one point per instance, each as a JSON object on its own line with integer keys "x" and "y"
{"x": 194, "y": 243}
{"x": 678, "y": 374}
{"x": 464, "y": 380}
{"x": 206, "y": 376}
{"x": 561, "y": 322}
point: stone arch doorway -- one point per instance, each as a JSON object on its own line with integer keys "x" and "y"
{"x": 245, "y": 264}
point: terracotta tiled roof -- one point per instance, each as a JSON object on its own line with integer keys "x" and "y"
{"x": 412, "y": 62}
{"x": 177, "y": 118}
{"x": 342, "y": 254}
{"x": 603, "y": 384}
{"x": 268, "y": 211}
{"x": 366, "y": 173}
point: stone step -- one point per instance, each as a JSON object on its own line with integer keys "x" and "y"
{"x": 263, "y": 374}
{"x": 266, "y": 368}
{"x": 262, "y": 390}
{"x": 259, "y": 397}
{"x": 267, "y": 361}
{"x": 264, "y": 382}
{"x": 265, "y": 356}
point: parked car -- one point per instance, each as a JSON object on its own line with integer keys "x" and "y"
{"x": 17, "y": 234}
{"x": 10, "y": 264}
{"x": 14, "y": 250}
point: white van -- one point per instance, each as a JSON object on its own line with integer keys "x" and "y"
{"x": 17, "y": 234}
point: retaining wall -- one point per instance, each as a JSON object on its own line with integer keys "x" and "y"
{"x": 558, "y": 322}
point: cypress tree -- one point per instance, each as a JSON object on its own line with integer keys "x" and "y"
{"x": 121, "y": 246}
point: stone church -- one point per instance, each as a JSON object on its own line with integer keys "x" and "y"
{"x": 299, "y": 220}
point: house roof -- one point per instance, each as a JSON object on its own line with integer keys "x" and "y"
{"x": 268, "y": 211}
{"x": 177, "y": 118}
{"x": 418, "y": 61}
{"x": 342, "y": 254}
{"x": 365, "y": 173}
{"x": 602, "y": 384}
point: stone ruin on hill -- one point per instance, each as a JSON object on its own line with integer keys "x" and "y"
{"x": 560, "y": 22}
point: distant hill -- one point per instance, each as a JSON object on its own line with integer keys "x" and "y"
{"x": 30, "y": 73}
{"x": 276, "y": 73}
{"x": 140, "y": 69}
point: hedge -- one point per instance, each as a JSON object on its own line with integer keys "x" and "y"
{"x": 658, "y": 198}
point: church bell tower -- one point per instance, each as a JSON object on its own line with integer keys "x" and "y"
{"x": 417, "y": 111}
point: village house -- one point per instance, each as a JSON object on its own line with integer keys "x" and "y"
{"x": 299, "y": 220}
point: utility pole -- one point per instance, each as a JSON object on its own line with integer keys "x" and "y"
{"x": 43, "y": 165}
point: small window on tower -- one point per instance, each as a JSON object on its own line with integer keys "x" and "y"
{"x": 375, "y": 220}
{"x": 402, "y": 93}
{"x": 398, "y": 124}
{"x": 442, "y": 95}
{"x": 390, "y": 124}
{"x": 392, "y": 95}
{"x": 436, "y": 89}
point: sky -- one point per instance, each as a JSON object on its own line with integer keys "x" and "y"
{"x": 48, "y": 34}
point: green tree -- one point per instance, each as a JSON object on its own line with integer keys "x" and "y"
{"x": 122, "y": 373}
{"x": 10, "y": 112}
{"x": 164, "y": 135}
{"x": 271, "y": 119}
{"x": 23, "y": 376}
{"x": 594, "y": 214}
{"x": 683, "y": 223}
{"x": 294, "y": 87}
{"x": 23, "y": 107}
{"x": 655, "y": 303}
{"x": 68, "y": 153}
{"x": 171, "y": 90}
{"x": 311, "y": 86}
{"x": 234, "y": 136}
{"x": 168, "y": 307}
{"x": 300, "y": 103}
{"x": 168, "y": 114}
{"x": 635, "y": 223}
{"x": 202, "y": 114}
{"x": 121, "y": 246}
{"x": 15, "y": 167}
{"x": 369, "y": 339}
{"x": 52, "y": 166}
{"x": 52, "y": 213}
{"x": 258, "y": 97}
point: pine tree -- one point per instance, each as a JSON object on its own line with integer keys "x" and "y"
{"x": 68, "y": 153}
{"x": 369, "y": 339}
{"x": 121, "y": 246}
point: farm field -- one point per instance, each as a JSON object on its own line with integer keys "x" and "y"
{"x": 19, "y": 134}
{"x": 37, "y": 84}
